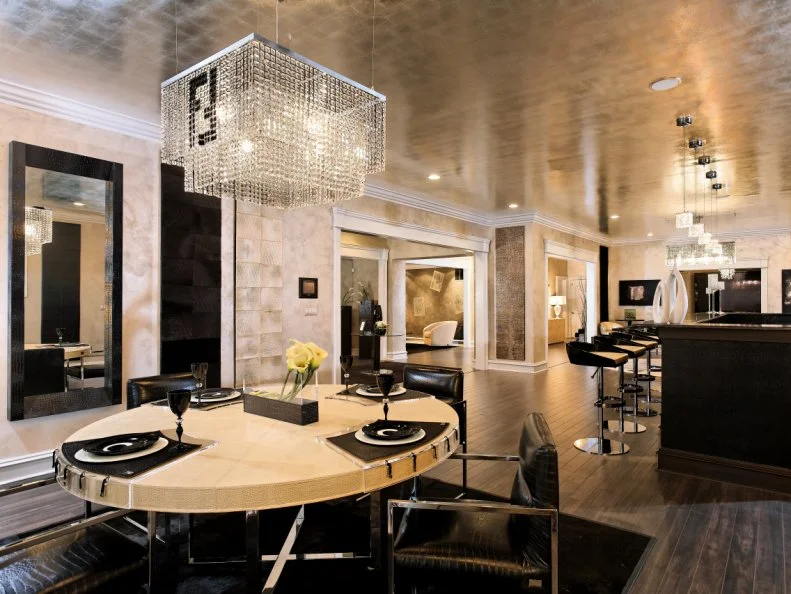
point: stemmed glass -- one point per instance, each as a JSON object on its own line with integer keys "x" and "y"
{"x": 385, "y": 380}
{"x": 179, "y": 402}
{"x": 346, "y": 366}
{"x": 60, "y": 332}
{"x": 199, "y": 371}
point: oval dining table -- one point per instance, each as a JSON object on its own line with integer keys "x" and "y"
{"x": 249, "y": 463}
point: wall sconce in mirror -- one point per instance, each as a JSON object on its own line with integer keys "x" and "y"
{"x": 308, "y": 288}
{"x": 65, "y": 255}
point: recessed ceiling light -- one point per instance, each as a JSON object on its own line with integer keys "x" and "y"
{"x": 513, "y": 205}
{"x": 78, "y": 203}
{"x": 613, "y": 217}
{"x": 650, "y": 234}
{"x": 433, "y": 176}
{"x": 665, "y": 84}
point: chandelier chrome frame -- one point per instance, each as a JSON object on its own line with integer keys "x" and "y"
{"x": 260, "y": 123}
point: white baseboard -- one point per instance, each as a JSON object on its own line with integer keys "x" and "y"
{"x": 517, "y": 366}
{"x": 397, "y": 355}
{"x": 21, "y": 468}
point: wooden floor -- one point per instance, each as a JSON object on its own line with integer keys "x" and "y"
{"x": 708, "y": 536}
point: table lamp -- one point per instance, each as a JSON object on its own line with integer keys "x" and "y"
{"x": 557, "y": 302}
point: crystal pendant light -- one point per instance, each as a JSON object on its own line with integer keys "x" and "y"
{"x": 704, "y": 238}
{"x": 259, "y": 123}
{"x": 684, "y": 219}
{"x": 696, "y": 230}
{"x": 727, "y": 273}
{"x": 38, "y": 229}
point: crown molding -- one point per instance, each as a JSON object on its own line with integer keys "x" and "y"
{"x": 476, "y": 216}
{"x": 60, "y": 107}
{"x": 351, "y": 220}
{"x": 427, "y": 203}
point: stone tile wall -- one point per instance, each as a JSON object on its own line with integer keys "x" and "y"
{"x": 259, "y": 289}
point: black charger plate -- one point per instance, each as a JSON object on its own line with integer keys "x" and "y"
{"x": 391, "y": 430}
{"x": 118, "y": 445}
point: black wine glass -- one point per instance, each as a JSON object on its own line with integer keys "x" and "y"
{"x": 346, "y": 366}
{"x": 385, "y": 381}
{"x": 60, "y": 332}
{"x": 179, "y": 402}
{"x": 199, "y": 371}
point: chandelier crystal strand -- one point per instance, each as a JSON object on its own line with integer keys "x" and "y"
{"x": 704, "y": 237}
{"x": 38, "y": 229}
{"x": 685, "y": 218}
{"x": 259, "y": 123}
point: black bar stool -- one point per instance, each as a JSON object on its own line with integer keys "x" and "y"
{"x": 637, "y": 377}
{"x": 650, "y": 345}
{"x": 634, "y": 353}
{"x": 591, "y": 355}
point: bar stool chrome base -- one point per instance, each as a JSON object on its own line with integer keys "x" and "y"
{"x": 614, "y": 426}
{"x": 641, "y": 412}
{"x": 601, "y": 446}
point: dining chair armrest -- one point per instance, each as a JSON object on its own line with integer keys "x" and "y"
{"x": 487, "y": 457}
{"x": 473, "y": 506}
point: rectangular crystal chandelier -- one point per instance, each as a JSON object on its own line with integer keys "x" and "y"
{"x": 259, "y": 123}
{"x": 38, "y": 229}
{"x": 694, "y": 254}
{"x": 696, "y": 230}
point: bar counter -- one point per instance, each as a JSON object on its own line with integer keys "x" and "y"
{"x": 726, "y": 391}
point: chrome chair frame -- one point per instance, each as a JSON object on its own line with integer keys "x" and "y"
{"x": 473, "y": 505}
{"x": 61, "y": 529}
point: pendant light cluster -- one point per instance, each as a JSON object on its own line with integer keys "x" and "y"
{"x": 706, "y": 249}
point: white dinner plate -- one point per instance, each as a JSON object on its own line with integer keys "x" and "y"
{"x": 396, "y": 391}
{"x": 206, "y": 399}
{"x": 84, "y": 456}
{"x": 365, "y": 439}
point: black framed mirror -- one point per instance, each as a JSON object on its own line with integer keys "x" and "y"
{"x": 65, "y": 252}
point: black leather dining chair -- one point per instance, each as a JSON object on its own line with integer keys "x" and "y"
{"x": 156, "y": 387}
{"x": 503, "y": 546}
{"x": 84, "y": 555}
{"x": 445, "y": 384}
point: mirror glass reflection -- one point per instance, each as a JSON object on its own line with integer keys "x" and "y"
{"x": 64, "y": 294}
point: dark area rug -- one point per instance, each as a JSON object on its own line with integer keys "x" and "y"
{"x": 594, "y": 558}
{"x": 413, "y": 348}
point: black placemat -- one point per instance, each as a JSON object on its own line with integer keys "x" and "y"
{"x": 127, "y": 468}
{"x": 408, "y": 395}
{"x": 209, "y": 404}
{"x": 369, "y": 453}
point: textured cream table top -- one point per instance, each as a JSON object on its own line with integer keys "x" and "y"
{"x": 256, "y": 462}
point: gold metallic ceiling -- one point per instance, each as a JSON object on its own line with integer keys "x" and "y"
{"x": 544, "y": 103}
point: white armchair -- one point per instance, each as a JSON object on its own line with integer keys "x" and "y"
{"x": 439, "y": 333}
{"x": 607, "y": 327}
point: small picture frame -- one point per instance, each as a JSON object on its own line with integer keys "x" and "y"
{"x": 630, "y": 314}
{"x": 308, "y": 288}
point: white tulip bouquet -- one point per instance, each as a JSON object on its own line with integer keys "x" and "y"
{"x": 302, "y": 360}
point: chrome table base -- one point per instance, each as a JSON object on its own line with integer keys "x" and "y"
{"x": 601, "y": 446}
